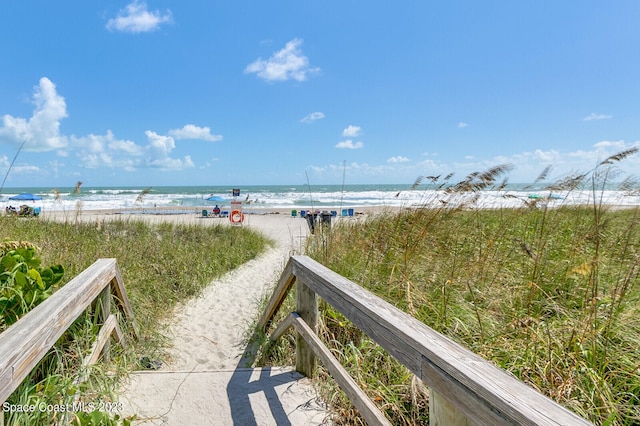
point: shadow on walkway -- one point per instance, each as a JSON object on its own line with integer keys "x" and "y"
{"x": 274, "y": 385}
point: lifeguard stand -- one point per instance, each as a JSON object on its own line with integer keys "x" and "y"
{"x": 236, "y": 216}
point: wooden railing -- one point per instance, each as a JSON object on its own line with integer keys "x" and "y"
{"x": 465, "y": 388}
{"x": 27, "y": 341}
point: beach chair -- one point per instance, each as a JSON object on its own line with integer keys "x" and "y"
{"x": 205, "y": 213}
{"x": 294, "y": 213}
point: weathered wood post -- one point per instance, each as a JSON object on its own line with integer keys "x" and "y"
{"x": 307, "y": 308}
{"x": 443, "y": 413}
{"x": 104, "y": 309}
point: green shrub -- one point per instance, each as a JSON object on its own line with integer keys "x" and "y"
{"x": 23, "y": 283}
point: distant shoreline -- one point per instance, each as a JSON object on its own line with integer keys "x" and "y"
{"x": 197, "y": 210}
{"x": 175, "y": 200}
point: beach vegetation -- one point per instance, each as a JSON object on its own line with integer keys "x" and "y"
{"x": 141, "y": 195}
{"x": 23, "y": 282}
{"x": 550, "y": 294}
{"x": 162, "y": 265}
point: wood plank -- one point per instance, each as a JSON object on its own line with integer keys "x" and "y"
{"x": 122, "y": 298}
{"x": 307, "y": 309}
{"x": 109, "y": 329}
{"x": 443, "y": 413}
{"x": 282, "y": 327}
{"x": 103, "y": 315}
{"x": 277, "y": 297}
{"x": 358, "y": 398}
{"x": 24, "y": 343}
{"x": 118, "y": 335}
{"x": 456, "y": 395}
{"x": 411, "y": 342}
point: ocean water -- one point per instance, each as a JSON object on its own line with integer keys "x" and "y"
{"x": 315, "y": 197}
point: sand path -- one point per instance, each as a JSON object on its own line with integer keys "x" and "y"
{"x": 210, "y": 332}
{"x": 206, "y": 381}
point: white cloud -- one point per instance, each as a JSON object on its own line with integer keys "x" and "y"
{"x": 286, "y": 64}
{"x": 312, "y": 117}
{"x": 593, "y": 116}
{"x": 96, "y": 151}
{"x": 551, "y": 156}
{"x": 159, "y": 144}
{"x": 350, "y": 144}
{"x": 42, "y": 130}
{"x": 194, "y": 132}
{"x": 612, "y": 145}
{"x": 168, "y": 163}
{"x": 42, "y": 133}
{"x": 352, "y": 169}
{"x": 25, "y": 169}
{"x": 530, "y": 164}
{"x": 462, "y": 125}
{"x": 126, "y": 147}
{"x": 158, "y": 151}
{"x": 585, "y": 160}
{"x": 135, "y": 18}
{"x": 351, "y": 131}
{"x": 398, "y": 159}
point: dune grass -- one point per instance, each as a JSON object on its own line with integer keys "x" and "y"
{"x": 551, "y": 295}
{"x": 542, "y": 294}
{"x": 162, "y": 265}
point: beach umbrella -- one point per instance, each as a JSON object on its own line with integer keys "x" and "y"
{"x": 25, "y": 197}
{"x": 215, "y": 198}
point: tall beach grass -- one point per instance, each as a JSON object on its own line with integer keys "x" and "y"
{"x": 551, "y": 295}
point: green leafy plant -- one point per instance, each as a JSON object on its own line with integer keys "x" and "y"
{"x": 99, "y": 418}
{"x": 23, "y": 283}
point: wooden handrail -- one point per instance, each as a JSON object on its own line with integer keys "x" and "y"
{"x": 26, "y": 342}
{"x": 479, "y": 391}
{"x": 360, "y": 400}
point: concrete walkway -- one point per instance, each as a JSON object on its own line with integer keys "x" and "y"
{"x": 269, "y": 396}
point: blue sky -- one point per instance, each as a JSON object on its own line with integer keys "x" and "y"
{"x": 205, "y": 92}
